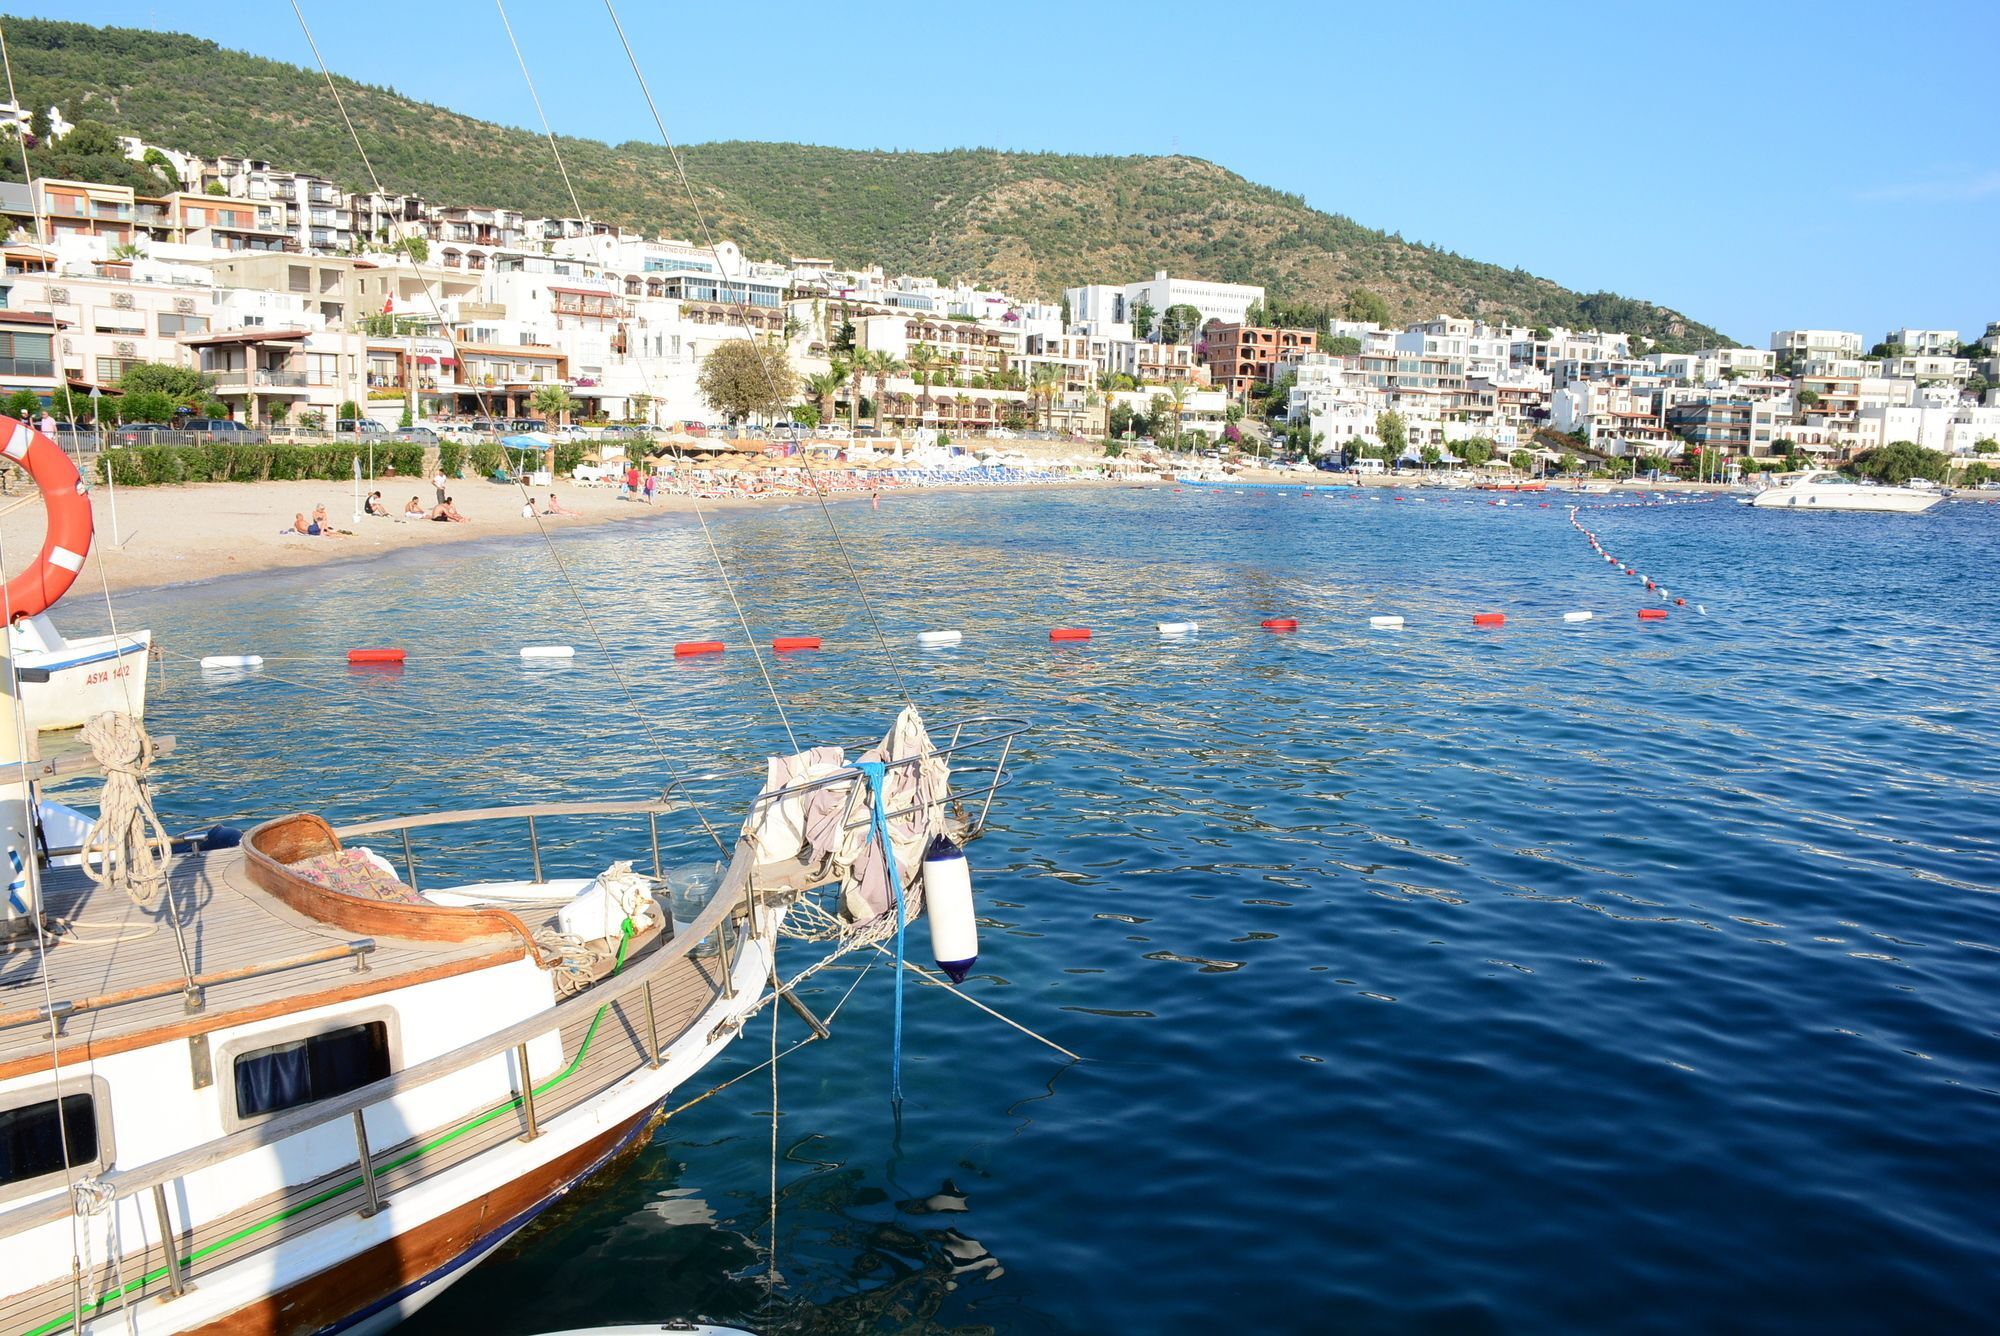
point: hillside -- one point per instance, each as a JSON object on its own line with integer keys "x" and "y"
{"x": 1031, "y": 222}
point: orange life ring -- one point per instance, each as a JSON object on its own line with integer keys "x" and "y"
{"x": 36, "y": 589}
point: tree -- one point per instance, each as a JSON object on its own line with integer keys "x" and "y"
{"x": 1179, "y": 324}
{"x": 145, "y": 406}
{"x": 553, "y": 402}
{"x": 1254, "y": 315}
{"x": 1393, "y": 434}
{"x": 416, "y": 248}
{"x": 880, "y": 366}
{"x": 1342, "y": 345}
{"x": 184, "y": 385}
{"x": 1567, "y": 464}
{"x": 1046, "y": 386}
{"x": 1142, "y": 320}
{"x": 1177, "y": 398}
{"x": 1899, "y": 461}
{"x": 21, "y": 403}
{"x": 1065, "y": 311}
{"x": 1808, "y": 398}
{"x": 1986, "y": 445}
{"x": 215, "y": 188}
{"x": 923, "y": 360}
{"x": 39, "y": 128}
{"x": 1367, "y": 307}
{"x": 1521, "y": 461}
{"x": 1476, "y": 451}
{"x": 824, "y": 386}
{"x": 1540, "y": 334}
{"x": 1430, "y": 454}
{"x": 741, "y": 379}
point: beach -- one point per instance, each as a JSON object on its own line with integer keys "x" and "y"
{"x": 147, "y": 537}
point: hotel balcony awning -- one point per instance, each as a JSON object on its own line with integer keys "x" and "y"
{"x": 241, "y": 336}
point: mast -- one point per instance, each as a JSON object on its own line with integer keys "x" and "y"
{"x": 22, "y": 908}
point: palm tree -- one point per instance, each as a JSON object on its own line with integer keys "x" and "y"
{"x": 554, "y": 403}
{"x": 1046, "y": 388}
{"x": 876, "y": 364}
{"x": 824, "y": 386}
{"x": 1177, "y": 397}
{"x": 923, "y": 360}
{"x": 884, "y": 367}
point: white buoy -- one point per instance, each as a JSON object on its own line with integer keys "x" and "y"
{"x": 548, "y": 651}
{"x": 233, "y": 661}
{"x": 1578, "y": 616}
{"x": 939, "y": 637}
{"x": 948, "y": 905}
{"x": 1179, "y": 628}
{"x": 1386, "y": 623}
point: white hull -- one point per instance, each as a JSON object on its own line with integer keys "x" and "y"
{"x": 1852, "y": 496}
{"x": 63, "y": 688}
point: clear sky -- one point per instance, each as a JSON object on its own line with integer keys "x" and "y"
{"x": 1758, "y": 166}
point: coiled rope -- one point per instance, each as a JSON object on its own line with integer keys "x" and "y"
{"x": 127, "y": 848}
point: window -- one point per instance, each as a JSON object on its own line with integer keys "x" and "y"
{"x": 312, "y": 1067}
{"x": 111, "y": 370}
{"x": 171, "y": 325}
{"x": 40, "y": 1136}
{"x": 299, "y": 278}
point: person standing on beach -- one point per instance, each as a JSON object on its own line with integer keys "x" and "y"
{"x": 48, "y": 424}
{"x": 438, "y": 480}
{"x": 652, "y": 482}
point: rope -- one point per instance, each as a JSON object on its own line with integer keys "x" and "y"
{"x": 877, "y": 774}
{"x": 742, "y": 306}
{"x": 128, "y": 855}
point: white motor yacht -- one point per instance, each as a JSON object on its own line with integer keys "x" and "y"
{"x": 1832, "y": 491}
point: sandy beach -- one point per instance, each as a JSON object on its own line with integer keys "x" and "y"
{"x": 153, "y": 536}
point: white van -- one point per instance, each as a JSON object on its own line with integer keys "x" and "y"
{"x": 1366, "y": 466}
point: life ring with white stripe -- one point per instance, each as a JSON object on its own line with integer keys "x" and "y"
{"x": 36, "y": 589}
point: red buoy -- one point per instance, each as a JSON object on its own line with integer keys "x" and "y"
{"x": 689, "y": 647}
{"x": 1680, "y": 603}
{"x": 1489, "y": 619}
{"x": 375, "y": 656}
{"x": 1284, "y": 623}
{"x": 795, "y": 642}
{"x": 1070, "y": 633}
{"x": 1652, "y": 614}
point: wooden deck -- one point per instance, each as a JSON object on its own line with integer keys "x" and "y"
{"x": 115, "y": 950}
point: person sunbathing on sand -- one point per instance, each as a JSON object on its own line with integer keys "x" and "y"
{"x": 556, "y": 507}
{"x": 415, "y": 510}
{"x": 448, "y": 514}
{"x": 322, "y": 527}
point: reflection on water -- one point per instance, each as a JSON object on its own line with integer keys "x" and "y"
{"x": 1553, "y": 977}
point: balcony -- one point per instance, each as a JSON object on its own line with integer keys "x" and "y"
{"x": 260, "y": 378}
{"x": 26, "y": 366}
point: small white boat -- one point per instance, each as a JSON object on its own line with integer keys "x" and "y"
{"x": 66, "y": 682}
{"x": 1832, "y": 491}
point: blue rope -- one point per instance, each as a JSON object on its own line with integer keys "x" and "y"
{"x": 876, "y": 773}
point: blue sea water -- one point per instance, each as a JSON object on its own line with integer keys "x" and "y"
{"x": 1541, "y": 978}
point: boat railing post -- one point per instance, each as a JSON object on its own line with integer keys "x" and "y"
{"x": 535, "y": 850}
{"x": 653, "y": 824}
{"x": 176, "y": 1282}
{"x": 999, "y": 773}
{"x": 527, "y": 1093}
{"x": 367, "y": 1159}
{"x": 409, "y": 859}
{"x": 652, "y": 1030}
{"x": 722, "y": 949}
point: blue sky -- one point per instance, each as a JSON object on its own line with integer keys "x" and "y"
{"x": 1756, "y": 166}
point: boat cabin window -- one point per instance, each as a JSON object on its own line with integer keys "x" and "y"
{"x": 313, "y": 1067}
{"x": 42, "y": 1136}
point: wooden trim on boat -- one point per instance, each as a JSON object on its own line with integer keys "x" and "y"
{"x": 337, "y": 1294}
{"x": 367, "y": 985}
{"x": 270, "y": 848}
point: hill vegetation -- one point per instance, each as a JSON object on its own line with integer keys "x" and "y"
{"x": 1033, "y": 222}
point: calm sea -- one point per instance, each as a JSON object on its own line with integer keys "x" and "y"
{"x": 1546, "y": 978}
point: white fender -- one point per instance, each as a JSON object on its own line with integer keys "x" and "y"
{"x": 948, "y": 905}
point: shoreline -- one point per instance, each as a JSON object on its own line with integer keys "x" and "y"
{"x": 199, "y": 534}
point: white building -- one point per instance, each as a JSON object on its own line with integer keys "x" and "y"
{"x": 1925, "y": 367}
{"x": 1925, "y": 342}
{"x": 1806, "y": 344}
{"x": 1226, "y": 302}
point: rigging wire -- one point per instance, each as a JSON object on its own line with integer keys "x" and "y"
{"x": 741, "y": 300}
{"x": 34, "y": 200}
{"x": 562, "y": 568}
{"x": 701, "y": 516}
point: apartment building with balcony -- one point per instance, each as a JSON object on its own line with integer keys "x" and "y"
{"x": 1239, "y": 356}
{"x": 1228, "y": 303}
{"x": 118, "y": 314}
{"x": 1928, "y": 368}
{"x": 1616, "y": 416}
{"x": 1924, "y": 342}
{"x": 1731, "y": 425}
{"x": 1587, "y": 349}
{"x": 268, "y": 375}
{"x": 27, "y": 353}
{"x": 338, "y": 290}
{"x": 1793, "y": 346}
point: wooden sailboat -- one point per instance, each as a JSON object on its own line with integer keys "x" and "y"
{"x": 281, "y": 1089}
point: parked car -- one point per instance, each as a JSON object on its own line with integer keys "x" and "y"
{"x": 226, "y": 430}
{"x": 418, "y": 435}
{"x": 360, "y": 426}
{"x": 140, "y": 433}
